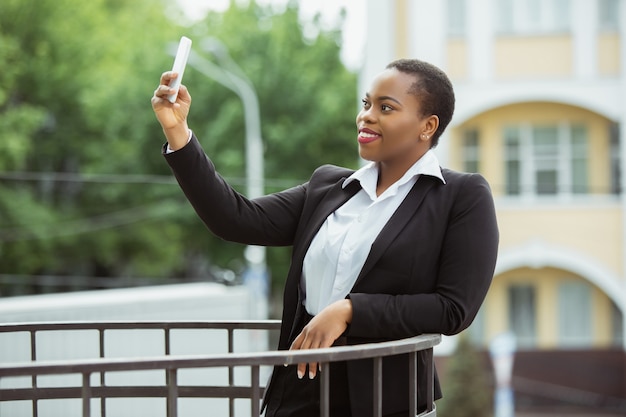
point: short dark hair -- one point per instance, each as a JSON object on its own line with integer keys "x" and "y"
{"x": 433, "y": 89}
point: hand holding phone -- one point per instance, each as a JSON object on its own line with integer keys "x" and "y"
{"x": 182, "y": 54}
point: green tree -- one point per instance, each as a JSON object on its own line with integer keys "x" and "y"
{"x": 76, "y": 123}
{"x": 307, "y": 99}
{"x": 466, "y": 391}
{"x": 73, "y": 101}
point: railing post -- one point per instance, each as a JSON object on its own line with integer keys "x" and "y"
{"x": 231, "y": 375}
{"x": 378, "y": 386}
{"x": 86, "y": 394}
{"x": 413, "y": 383}
{"x": 103, "y": 400}
{"x": 430, "y": 375}
{"x": 172, "y": 393}
{"x": 168, "y": 341}
{"x": 172, "y": 384}
{"x": 33, "y": 357}
{"x": 325, "y": 389}
{"x": 255, "y": 407}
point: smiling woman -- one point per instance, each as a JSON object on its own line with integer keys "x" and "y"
{"x": 398, "y": 248}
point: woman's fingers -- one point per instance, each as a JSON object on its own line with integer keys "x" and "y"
{"x": 167, "y": 77}
{"x": 163, "y": 91}
{"x": 183, "y": 96}
{"x": 309, "y": 340}
{"x": 301, "y": 342}
{"x": 322, "y": 331}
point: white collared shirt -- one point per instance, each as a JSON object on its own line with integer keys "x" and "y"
{"x": 339, "y": 249}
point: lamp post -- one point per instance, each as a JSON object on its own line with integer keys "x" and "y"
{"x": 502, "y": 350}
{"x": 230, "y": 75}
{"x": 234, "y": 79}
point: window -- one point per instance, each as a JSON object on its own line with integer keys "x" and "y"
{"x": 575, "y": 314}
{"x": 608, "y": 14}
{"x": 545, "y": 149}
{"x": 579, "y": 160}
{"x": 522, "y": 314}
{"x": 471, "y": 151}
{"x": 546, "y": 160}
{"x": 533, "y": 16}
{"x": 456, "y": 17}
{"x": 617, "y": 328}
{"x": 616, "y": 166}
{"x": 513, "y": 161}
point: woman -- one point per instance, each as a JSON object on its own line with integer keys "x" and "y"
{"x": 398, "y": 248}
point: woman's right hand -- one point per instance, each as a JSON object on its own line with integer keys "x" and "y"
{"x": 172, "y": 116}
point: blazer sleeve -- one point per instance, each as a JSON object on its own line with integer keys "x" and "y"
{"x": 465, "y": 267}
{"x": 269, "y": 220}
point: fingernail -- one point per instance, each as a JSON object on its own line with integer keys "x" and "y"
{"x": 286, "y": 365}
{"x": 311, "y": 375}
{"x": 300, "y": 374}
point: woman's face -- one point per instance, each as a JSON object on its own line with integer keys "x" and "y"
{"x": 391, "y": 128}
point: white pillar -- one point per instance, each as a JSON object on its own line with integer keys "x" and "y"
{"x": 427, "y": 31}
{"x": 480, "y": 38}
{"x": 622, "y": 141}
{"x": 584, "y": 37}
{"x": 379, "y": 38}
{"x": 428, "y": 42}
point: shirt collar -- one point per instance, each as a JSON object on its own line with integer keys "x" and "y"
{"x": 428, "y": 164}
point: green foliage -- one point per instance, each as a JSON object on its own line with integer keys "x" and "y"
{"x": 75, "y": 105}
{"x": 75, "y": 100}
{"x": 466, "y": 391}
{"x": 19, "y": 120}
{"x": 306, "y": 96}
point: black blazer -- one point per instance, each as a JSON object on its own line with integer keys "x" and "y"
{"x": 427, "y": 272}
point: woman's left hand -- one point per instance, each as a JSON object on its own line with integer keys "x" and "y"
{"x": 322, "y": 331}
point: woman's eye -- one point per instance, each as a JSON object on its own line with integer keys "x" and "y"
{"x": 365, "y": 102}
{"x": 386, "y": 107}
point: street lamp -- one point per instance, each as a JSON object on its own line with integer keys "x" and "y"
{"x": 234, "y": 79}
{"x": 502, "y": 351}
{"x": 230, "y": 75}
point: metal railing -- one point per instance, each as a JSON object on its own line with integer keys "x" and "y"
{"x": 93, "y": 371}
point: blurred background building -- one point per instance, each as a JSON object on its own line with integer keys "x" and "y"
{"x": 540, "y": 87}
{"x": 541, "y": 110}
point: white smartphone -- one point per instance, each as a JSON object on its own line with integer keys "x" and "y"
{"x": 182, "y": 54}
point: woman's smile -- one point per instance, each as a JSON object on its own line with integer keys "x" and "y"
{"x": 367, "y": 136}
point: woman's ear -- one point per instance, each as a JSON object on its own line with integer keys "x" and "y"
{"x": 430, "y": 125}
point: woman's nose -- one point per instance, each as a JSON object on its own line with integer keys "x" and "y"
{"x": 365, "y": 115}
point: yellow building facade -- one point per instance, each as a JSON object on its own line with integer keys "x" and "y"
{"x": 541, "y": 109}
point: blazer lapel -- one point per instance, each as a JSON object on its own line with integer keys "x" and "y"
{"x": 335, "y": 198}
{"x": 396, "y": 223}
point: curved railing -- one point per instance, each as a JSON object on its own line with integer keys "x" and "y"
{"x": 92, "y": 371}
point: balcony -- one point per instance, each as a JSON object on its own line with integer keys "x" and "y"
{"x": 96, "y": 384}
